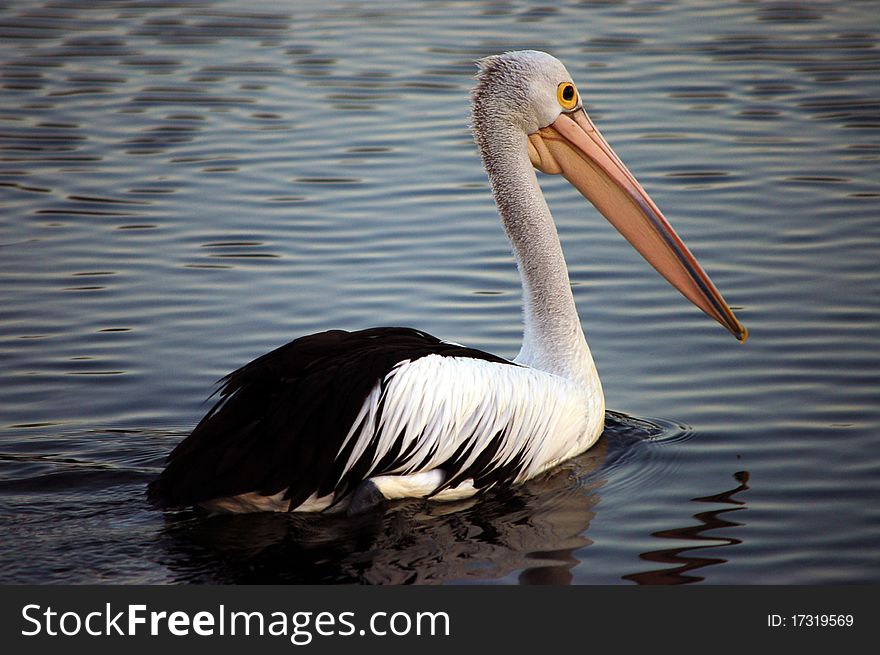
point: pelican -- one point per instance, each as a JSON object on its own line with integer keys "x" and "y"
{"x": 341, "y": 421}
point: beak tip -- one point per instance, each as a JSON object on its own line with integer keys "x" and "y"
{"x": 741, "y": 334}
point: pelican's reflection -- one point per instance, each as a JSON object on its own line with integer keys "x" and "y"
{"x": 534, "y": 528}
{"x": 685, "y": 559}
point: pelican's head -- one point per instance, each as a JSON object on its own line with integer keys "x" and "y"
{"x": 531, "y": 93}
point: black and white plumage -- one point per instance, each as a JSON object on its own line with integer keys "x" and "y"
{"x": 339, "y": 420}
{"x": 302, "y": 426}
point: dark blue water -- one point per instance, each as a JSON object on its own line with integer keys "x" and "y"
{"x": 186, "y": 185}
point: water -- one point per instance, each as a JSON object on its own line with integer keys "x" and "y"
{"x": 186, "y": 185}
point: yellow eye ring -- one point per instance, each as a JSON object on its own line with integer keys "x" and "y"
{"x": 567, "y": 95}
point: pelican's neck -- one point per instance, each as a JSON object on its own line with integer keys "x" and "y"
{"x": 553, "y": 340}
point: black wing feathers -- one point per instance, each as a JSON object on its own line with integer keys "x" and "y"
{"x": 280, "y": 420}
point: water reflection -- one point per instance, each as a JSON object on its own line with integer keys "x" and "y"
{"x": 683, "y": 557}
{"x": 538, "y": 529}
{"x": 535, "y": 528}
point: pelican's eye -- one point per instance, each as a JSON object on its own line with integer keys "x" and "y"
{"x": 567, "y": 95}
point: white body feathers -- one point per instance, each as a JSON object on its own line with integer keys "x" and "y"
{"x": 439, "y": 406}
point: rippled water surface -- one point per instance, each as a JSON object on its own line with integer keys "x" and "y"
{"x": 185, "y": 185}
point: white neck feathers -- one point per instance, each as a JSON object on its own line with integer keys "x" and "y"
{"x": 553, "y": 340}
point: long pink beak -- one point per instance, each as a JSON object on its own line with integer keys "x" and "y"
{"x": 572, "y": 146}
